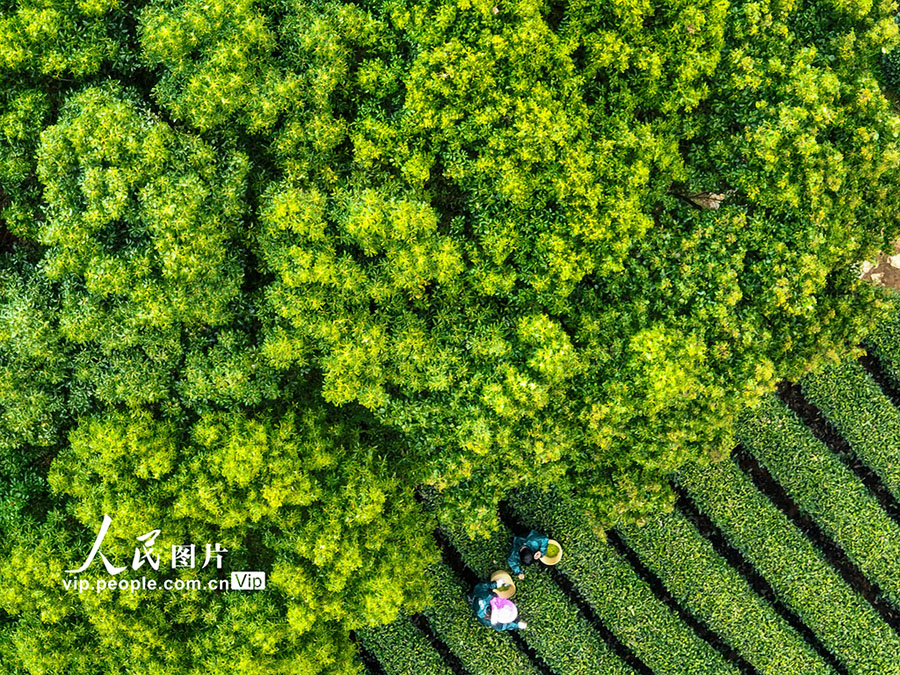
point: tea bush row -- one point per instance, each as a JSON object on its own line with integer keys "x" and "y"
{"x": 480, "y": 650}
{"x": 557, "y": 632}
{"x": 868, "y": 420}
{"x": 820, "y": 484}
{"x": 707, "y": 586}
{"x": 623, "y": 600}
{"x": 885, "y": 342}
{"x": 797, "y": 571}
{"x": 402, "y": 649}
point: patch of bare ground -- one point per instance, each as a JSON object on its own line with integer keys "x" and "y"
{"x": 885, "y": 271}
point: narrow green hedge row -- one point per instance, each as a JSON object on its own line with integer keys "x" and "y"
{"x": 617, "y": 594}
{"x": 825, "y": 488}
{"x": 803, "y": 580}
{"x": 557, "y": 631}
{"x": 706, "y": 585}
{"x": 886, "y": 346}
{"x": 479, "y": 650}
{"x": 854, "y": 403}
{"x": 890, "y": 69}
{"x": 402, "y": 649}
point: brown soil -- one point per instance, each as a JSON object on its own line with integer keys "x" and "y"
{"x": 886, "y": 269}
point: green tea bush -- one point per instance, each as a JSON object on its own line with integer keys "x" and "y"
{"x": 715, "y": 593}
{"x": 862, "y": 414}
{"x": 845, "y": 623}
{"x": 402, "y": 649}
{"x": 890, "y": 69}
{"x": 827, "y": 490}
{"x": 479, "y": 650}
{"x": 885, "y": 342}
{"x": 563, "y": 638}
{"x": 623, "y": 600}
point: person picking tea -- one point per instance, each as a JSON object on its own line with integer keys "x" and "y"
{"x": 492, "y": 610}
{"x": 525, "y": 550}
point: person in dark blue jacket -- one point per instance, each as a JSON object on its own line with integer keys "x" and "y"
{"x": 525, "y": 550}
{"x": 480, "y": 601}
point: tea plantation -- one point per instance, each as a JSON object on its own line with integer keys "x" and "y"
{"x": 784, "y": 558}
{"x": 346, "y": 288}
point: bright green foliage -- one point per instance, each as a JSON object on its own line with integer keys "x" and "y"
{"x": 33, "y": 357}
{"x": 863, "y": 416}
{"x": 227, "y": 370}
{"x": 803, "y": 580}
{"x": 33, "y": 401}
{"x": 520, "y": 243}
{"x": 886, "y": 344}
{"x": 829, "y": 491}
{"x": 23, "y": 113}
{"x": 471, "y": 260}
{"x": 342, "y": 541}
{"x": 471, "y": 220}
{"x": 717, "y": 595}
{"x": 641, "y": 621}
{"x": 402, "y": 649}
{"x": 219, "y": 63}
{"x": 147, "y": 218}
{"x": 56, "y": 37}
{"x": 45, "y": 46}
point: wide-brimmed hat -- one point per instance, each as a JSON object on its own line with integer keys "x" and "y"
{"x": 507, "y": 585}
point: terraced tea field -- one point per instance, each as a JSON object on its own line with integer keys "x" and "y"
{"x": 784, "y": 559}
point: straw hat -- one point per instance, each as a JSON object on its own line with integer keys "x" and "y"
{"x": 506, "y": 586}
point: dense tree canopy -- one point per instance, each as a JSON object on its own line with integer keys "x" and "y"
{"x": 268, "y": 266}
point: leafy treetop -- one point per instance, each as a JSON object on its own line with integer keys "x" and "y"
{"x": 267, "y": 266}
